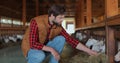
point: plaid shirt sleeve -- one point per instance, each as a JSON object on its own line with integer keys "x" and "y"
{"x": 69, "y": 39}
{"x": 34, "y": 38}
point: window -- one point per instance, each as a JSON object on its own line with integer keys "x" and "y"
{"x": 17, "y": 22}
{"x": 70, "y": 27}
{"x": 6, "y": 20}
{"x": 27, "y": 24}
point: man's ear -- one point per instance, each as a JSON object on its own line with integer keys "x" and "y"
{"x": 52, "y": 16}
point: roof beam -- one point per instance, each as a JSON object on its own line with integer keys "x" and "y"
{"x": 10, "y": 9}
{"x": 57, "y": 1}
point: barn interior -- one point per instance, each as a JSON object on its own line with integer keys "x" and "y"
{"x": 88, "y": 21}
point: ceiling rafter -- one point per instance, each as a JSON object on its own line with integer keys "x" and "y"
{"x": 7, "y": 5}
{"x": 10, "y": 9}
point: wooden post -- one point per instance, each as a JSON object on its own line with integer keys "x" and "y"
{"x": 111, "y": 8}
{"x": 37, "y": 7}
{"x": 83, "y": 14}
{"x": 44, "y": 10}
{"x": 24, "y": 12}
{"x": 0, "y": 21}
{"x": 12, "y": 22}
{"x": 110, "y": 44}
{"x": 89, "y": 12}
{"x": 79, "y": 22}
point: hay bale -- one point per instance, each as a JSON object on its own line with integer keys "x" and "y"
{"x": 81, "y": 57}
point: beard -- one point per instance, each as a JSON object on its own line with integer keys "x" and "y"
{"x": 55, "y": 23}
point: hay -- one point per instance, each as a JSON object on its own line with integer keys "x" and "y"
{"x": 101, "y": 58}
{"x": 70, "y": 55}
{"x": 82, "y": 57}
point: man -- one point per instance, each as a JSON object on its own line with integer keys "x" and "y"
{"x": 46, "y": 35}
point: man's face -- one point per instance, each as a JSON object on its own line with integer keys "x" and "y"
{"x": 58, "y": 19}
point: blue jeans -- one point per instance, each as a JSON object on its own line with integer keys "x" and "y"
{"x": 37, "y": 56}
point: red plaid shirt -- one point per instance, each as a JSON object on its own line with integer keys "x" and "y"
{"x": 34, "y": 38}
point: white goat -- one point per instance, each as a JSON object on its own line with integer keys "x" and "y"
{"x": 117, "y": 56}
{"x": 97, "y": 46}
{"x": 91, "y": 42}
{"x": 20, "y": 37}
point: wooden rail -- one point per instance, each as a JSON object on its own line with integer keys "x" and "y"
{"x": 112, "y": 28}
{"x": 12, "y": 28}
{"x": 113, "y": 21}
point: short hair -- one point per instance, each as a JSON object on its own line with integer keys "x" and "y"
{"x": 56, "y": 10}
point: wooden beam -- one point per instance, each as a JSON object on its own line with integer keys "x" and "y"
{"x": 0, "y": 21}
{"x": 89, "y": 12}
{"x": 47, "y": 3}
{"x": 57, "y": 1}
{"x": 13, "y": 28}
{"x": 37, "y": 7}
{"x": 12, "y": 21}
{"x": 117, "y": 36}
{"x": 83, "y": 22}
{"x": 114, "y": 21}
{"x": 24, "y": 12}
{"x": 110, "y": 44}
{"x": 10, "y": 9}
{"x": 68, "y": 2}
{"x": 111, "y": 8}
{"x": 79, "y": 14}
{"x": 93, "y": 26}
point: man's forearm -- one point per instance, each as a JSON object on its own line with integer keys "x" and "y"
{"x": 47, "y": 48}
{"x": 85, "y": 49}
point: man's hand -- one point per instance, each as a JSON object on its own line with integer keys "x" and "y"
{"x": 53, "y": 52}
{"x": 92, "y": 53}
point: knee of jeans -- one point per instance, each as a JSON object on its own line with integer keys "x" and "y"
{"x": 62, "y": 38}
{"x": 40, "y": 57}
{"x": 37, "y": 57}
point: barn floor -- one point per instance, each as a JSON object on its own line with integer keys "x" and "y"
{"x": 13, "y": 54}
